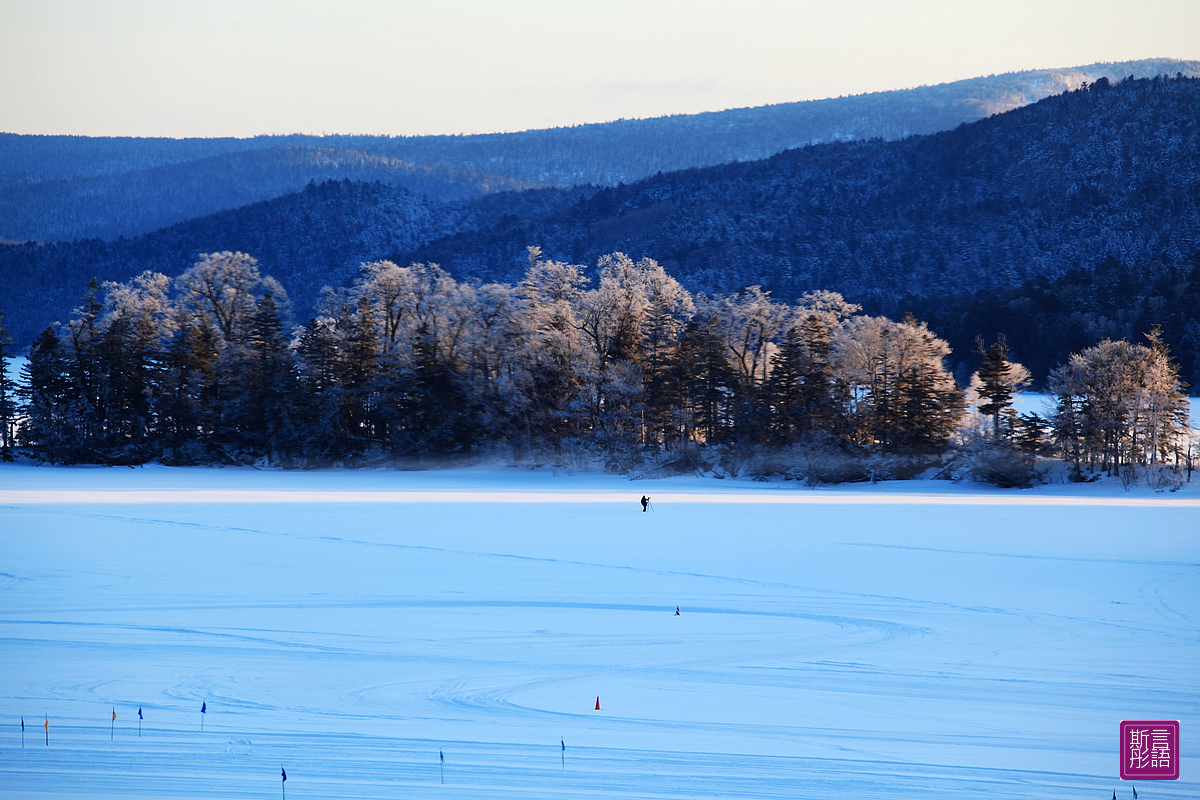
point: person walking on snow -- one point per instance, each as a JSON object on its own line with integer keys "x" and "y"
{"x": 645, "y": 503}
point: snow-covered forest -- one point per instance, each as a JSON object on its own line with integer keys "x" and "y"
{"x": 632, "y": 373}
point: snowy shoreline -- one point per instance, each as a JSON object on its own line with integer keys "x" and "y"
{"x": 492, "y": 482}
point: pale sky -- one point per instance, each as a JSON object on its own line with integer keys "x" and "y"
{"x": 245, "y": 67}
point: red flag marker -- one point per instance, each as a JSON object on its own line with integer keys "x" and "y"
{"x": 597, "y": 703}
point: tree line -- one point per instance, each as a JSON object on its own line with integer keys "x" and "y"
{"x": 409, "y": 364}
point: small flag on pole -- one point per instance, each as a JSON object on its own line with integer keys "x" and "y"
{"x": 442, "y": 758}
{"x": 139, "y": 722}
{"x": 564, "y": 753}
{"x": 113, "y": 726}
{"x": 283, "y": 772}
{"x": 283, "y": 783}
{"x": 1135, "y": 793}
{"x": 22, "y": 733}
{"x": 47, "y": 730}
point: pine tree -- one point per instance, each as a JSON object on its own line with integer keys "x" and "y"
{"x": 264, "y": 387}
{"x": 50, "y": 412}
{"x": 801, "y": 386}
{"x": 707, "y": 384}
{"x": 997, "y": 382}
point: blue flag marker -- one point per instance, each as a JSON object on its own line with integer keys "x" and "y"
{"x": 442, "y": 756}
{"x": 203, "y": 711}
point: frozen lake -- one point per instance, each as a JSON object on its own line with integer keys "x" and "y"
{"x": 898, "y": 640}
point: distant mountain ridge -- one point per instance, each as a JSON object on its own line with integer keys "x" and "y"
{"x": 138, "y": 202}
{"x": 58, "y": 188}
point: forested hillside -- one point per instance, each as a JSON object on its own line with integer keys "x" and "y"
{"x": 1110, "y": 173}
{"x": 55, "y": 188}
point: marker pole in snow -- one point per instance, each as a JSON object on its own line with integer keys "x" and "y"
{"x": 283, "y": 782}
{"x": 442, "y": 758}
{"x": 203, "y": 712}
{"x": 22, "y": 733}
{"x": 139, "y": 722}
{"x": 113, "y": 725}
{"x": 564, "y": 753}
{"x": 47, "y": 731}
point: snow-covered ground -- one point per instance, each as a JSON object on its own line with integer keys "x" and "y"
{"x": 915, "y": 639}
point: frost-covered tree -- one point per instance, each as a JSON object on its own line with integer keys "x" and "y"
{"x": 138, "y": 321}
{"x": 749, "y": 323}
{"x": 1119, "y": 404}
{"x": 631, "y": 320}
{"x": 224, "y": 289}
{"x": 899, "y": 392}
{"x": 543, "y": 384}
